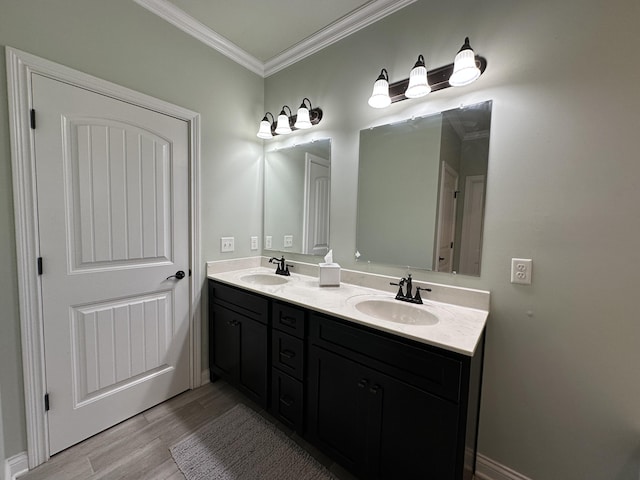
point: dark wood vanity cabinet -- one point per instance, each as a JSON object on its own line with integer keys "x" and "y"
{"x": 389, "y": 408}
{"x": 238, "y": 340}
{"x": 381, "y": 405}
{"x": 288, "y": 364}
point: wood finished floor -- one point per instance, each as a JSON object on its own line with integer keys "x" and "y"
{"x": 138, "y": 448}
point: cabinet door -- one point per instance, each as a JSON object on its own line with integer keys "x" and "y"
{"x": 287, "y": 354}
{"x": 224, "y": 341}
{"x": 418, "y": 432}
{"x": 287, "y": 400}
{"x": 336, "y": 407}
{"x": 253, "y": 369}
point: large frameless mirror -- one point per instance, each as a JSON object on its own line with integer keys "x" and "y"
{"x": 421, "y": 190}
{"x": 297, "y": 186}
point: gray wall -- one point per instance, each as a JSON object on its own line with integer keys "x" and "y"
{"x": 2, "y": 455}
{"x": 121, "y": 42}
{"x": 561, "y": 391}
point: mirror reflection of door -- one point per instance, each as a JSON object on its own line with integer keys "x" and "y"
{"x": 316, "y": 205}
{"x": 446, "y": 219}
{"x": 471, "y": 240}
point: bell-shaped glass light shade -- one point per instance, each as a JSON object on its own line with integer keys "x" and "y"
{"x": 302, "y": 120}
{"x": 380, "y": 96}
{"x": 418, "y": 83}
{"x": 283, "y": 127}
{"x": 465, "y": 70}
{"x": 265, "y": 129}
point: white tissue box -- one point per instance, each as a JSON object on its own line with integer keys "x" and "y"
{"x": 329, "y": 274}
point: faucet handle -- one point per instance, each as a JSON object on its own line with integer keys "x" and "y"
{"x": 418, "y": 298}
{"x": 400, "y": 293}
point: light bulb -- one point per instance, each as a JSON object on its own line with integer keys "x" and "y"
{"x": 283, "y": 127}
{"x": 465, "y": 70}
{"x": 380, "y": 95}
{"x": 418, "y": 83}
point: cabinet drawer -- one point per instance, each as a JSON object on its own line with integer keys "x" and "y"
{"x": 289, "y": 319}
{"x": 287, "y": 400}
{"x": 246, "y": 303}
{"x": 417, "y": 366}
{"x": 287, "y": 354}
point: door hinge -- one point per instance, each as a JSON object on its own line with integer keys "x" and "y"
{"x": 39, "y": 265}
{"x": 46, "y": 402}
{"x": 451, "y": 245}
{"x": 455, "y": 193}
{"x": 32, "y": 115}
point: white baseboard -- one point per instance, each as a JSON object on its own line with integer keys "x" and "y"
{"x": 487, "y": 469}
{"x": 15, "y": 466}
{"x": 205, "y": 377}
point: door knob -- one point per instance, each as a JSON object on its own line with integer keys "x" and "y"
{"x": 179, "y": 275}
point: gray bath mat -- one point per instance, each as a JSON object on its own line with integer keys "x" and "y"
{"x": 242, "y": 445}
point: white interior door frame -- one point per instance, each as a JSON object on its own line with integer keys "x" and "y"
{"x": 20, "y": 67}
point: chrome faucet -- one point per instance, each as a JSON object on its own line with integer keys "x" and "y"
{"x": 408, "y": 296}
{"x": 282, "y": 268}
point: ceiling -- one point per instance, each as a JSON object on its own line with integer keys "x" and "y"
{"x": 268, "y": 35}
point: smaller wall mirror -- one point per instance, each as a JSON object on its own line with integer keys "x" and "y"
{"x": 421, "y": 188}
{"x": 297, "y": 186}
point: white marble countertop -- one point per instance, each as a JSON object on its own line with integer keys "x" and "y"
{"x": 458, "y": 329}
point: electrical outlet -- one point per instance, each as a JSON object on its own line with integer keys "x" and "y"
{"x": 227, "y": 244}
{"x": 254, "y": 243}
{"x": 268, "y": 240}
{"x": 521, "y": 270}
{"x": 288, "y": 241}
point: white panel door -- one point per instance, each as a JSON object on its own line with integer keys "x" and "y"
{"x": 471, "y": 238}
{"x": 316, "y": 208}
{"x": 112, "y": 196}
{"x": 446, "y": 219}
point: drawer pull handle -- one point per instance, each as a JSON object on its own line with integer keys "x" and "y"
{"x": 286, "y": 400}
{"x": 233, "y": 323}
{"x": 288, "y": 321}
{"x": 288, "y": 354}
{"x": 363, "y": 383}
{"x": 375, "y": 389}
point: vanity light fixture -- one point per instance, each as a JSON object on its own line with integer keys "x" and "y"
{"x": 467, "y": 67}
{"x": 284, "y": 122}
{"x": 380, "y": 96}
{"x": 418, "y": 82}
{"x": 265, "y": 126}
{"x": 303, "y": 121}
{"x": 465, "y": 70}
{"x": 306, "y": 117}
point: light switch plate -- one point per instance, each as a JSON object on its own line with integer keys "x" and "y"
{"x": 521, "y": 270}
{"x": 268, "y": 240}
{"x": 288, "y": 241}
{"x": 227, "y": 244}
{"x": 254, "y": 243}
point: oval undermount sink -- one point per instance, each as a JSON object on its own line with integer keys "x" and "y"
{"x": 397, "y": 312}
{"x": 263, "y": 279}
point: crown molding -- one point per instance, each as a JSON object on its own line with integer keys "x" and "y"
{"x": 366, "y": 15}
{"x": 177, "y": 17}
{"x": 347, "y": 25}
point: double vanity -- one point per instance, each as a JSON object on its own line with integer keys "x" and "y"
{"x": 388, "y": 389}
